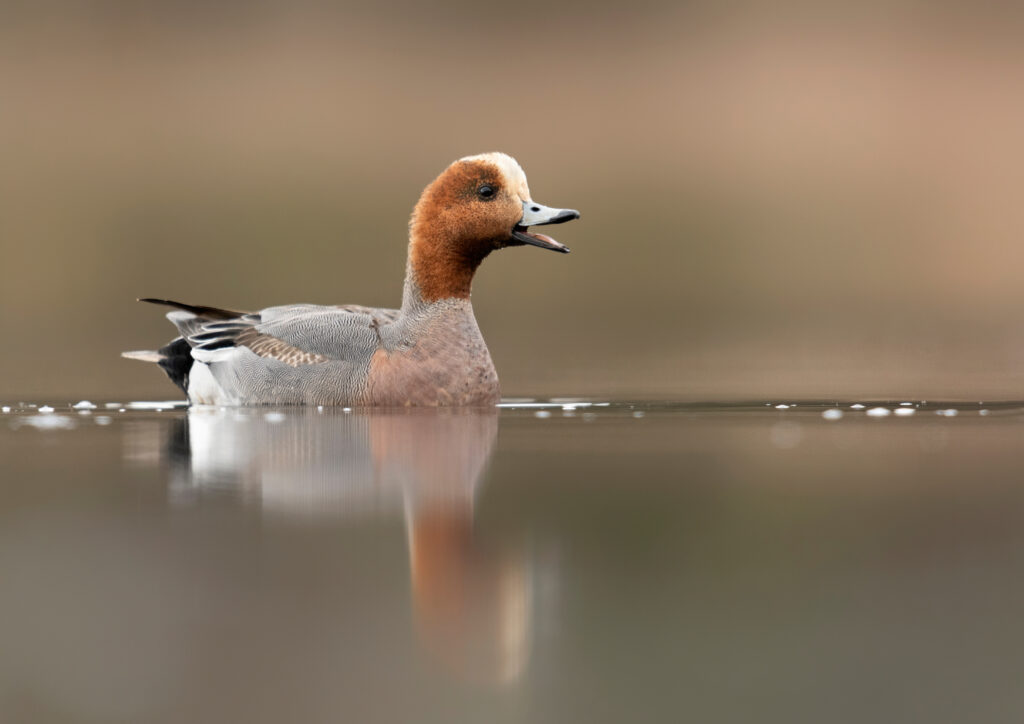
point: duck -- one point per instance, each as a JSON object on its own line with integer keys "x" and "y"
{"x": 427, "y": 353}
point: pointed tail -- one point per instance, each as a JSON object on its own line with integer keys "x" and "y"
{"x": 175, "y": 359}
{"x": 143, "y": 355}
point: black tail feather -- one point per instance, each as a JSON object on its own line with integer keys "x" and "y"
{"x": 199, "y": 311}
{"x": 176, "y": 357}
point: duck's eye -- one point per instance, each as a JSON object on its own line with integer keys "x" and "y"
{"x": 485, "y": 192}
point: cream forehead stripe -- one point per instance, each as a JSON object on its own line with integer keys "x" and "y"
{"x": 509, "y": 168}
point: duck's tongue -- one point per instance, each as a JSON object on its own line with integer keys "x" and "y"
{"x": 542, "y": 240}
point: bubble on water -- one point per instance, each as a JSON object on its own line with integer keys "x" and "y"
{"x": 6, "y": 409}
{"x": 346, "y": 409}
{"x": 46, "y": 409}
{"x": 878, "y": 412}
{"x": 949, "y": 412}
{"x": 833, "y": 413}
{"x": 84, "y": 405}
{"x": 542, "y": 414}
{"x": 575, "y": 405}
{"x": 982, "y": 412}
{"x": 319, "y": 408}
{"x": 274, "y": 417}
{"x": 782, "y": 407}
{"x": 906, "y": 404}
{"x": 904, "y": 411}
{"x": 856, "y": 406}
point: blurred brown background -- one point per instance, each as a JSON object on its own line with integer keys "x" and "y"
{"x": 802, "y": 200}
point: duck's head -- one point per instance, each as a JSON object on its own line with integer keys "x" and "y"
{"x": 478, "y": 204}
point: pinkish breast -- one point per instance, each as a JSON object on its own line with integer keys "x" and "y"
{"x": 445, "y": 366}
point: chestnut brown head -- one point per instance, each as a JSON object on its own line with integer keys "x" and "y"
{"x": 478, "y": 204}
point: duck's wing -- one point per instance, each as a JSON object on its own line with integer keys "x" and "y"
{"x": 296, "y": 334}
{"x": 299, "y": 336}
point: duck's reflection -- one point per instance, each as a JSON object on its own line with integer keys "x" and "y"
{"x": 471, "y": 602}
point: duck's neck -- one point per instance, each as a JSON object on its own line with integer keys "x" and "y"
{"x": 438, "y": 268}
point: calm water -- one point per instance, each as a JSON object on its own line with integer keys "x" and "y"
{"x": 564, "y": 562}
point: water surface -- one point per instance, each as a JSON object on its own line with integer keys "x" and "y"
{"x": 551, "y": 561}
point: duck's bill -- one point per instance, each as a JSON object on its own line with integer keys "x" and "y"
{"x": 542, "y": 240}
{"x": 538, "y": 215}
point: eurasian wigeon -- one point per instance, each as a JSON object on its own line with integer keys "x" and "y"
{"x": 428, "y": 352}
